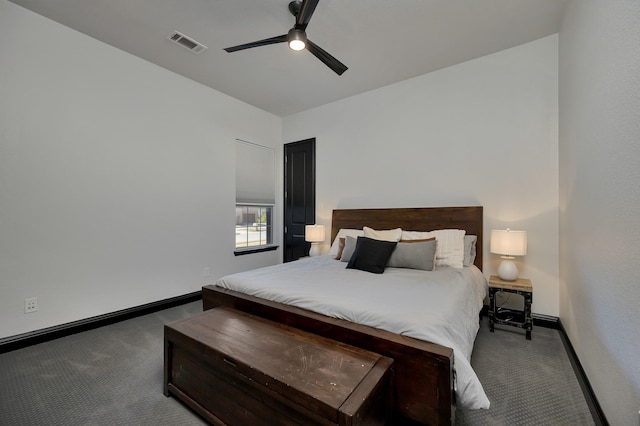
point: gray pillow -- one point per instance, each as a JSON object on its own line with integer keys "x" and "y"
{"x": 349, "y": 247}
{"x": 414, "y": 255}
{"x": 469, "y": 249}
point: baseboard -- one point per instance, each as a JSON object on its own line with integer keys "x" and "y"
{"x": 592, "y": 402}
{"x": 546, "y": 321}
{"x": 44, "y": 335}
{"x": 539, "y": 320}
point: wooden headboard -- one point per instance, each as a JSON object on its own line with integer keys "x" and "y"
{"x": 413, "y": 219}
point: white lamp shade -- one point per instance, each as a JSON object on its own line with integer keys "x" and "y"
{"x": 314, "y": 233}
{"x": 508, "y": 243}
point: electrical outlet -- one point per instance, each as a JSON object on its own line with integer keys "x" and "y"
{"x": 206, "y": 273}
{"x": 30, "y": 305}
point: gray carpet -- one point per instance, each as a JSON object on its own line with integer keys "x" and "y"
{"x": 113, "y": 376}
{"x": 529, "y": 382}
{"x": 108, "y": 376}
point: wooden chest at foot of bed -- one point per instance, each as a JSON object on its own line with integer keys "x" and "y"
{"x": 237, "y": 369}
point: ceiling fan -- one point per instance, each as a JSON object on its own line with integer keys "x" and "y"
{"x": 297, "y": 37}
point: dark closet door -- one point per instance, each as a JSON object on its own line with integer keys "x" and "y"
{"x": 299, "y": 196}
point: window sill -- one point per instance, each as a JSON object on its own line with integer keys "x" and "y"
{"x": 250, "y": 250}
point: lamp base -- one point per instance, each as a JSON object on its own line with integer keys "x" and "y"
{"x": 315, "y": 249}
{"x": 508, "y": 271}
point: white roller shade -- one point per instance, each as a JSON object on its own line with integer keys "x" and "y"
{"x": 255, "y": 173}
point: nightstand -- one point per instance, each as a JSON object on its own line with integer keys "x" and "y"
{"x": 512, "y": 317}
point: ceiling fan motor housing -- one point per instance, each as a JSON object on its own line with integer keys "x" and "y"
{"x": 294, "y": 7}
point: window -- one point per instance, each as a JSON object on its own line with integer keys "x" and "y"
{"x": 253, "y": 226}
{"x": 255, "y": 197}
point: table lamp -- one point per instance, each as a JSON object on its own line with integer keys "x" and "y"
{"x": 508, "y": 244}
{"x": 315, "y": 235}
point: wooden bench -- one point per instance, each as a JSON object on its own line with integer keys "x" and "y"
{"x": 237, "y": 369}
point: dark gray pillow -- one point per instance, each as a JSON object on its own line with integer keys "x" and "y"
{"x": 420, "y": 255}
{"x": 371, "y": 255}
{"x": 349, "y": 248}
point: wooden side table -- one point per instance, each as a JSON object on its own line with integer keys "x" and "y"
{"x": 520, "y": 319}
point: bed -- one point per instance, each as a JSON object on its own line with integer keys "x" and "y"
{"x": 431, "y": 347}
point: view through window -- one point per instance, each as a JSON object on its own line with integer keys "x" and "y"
{"x": 253, "y": 226}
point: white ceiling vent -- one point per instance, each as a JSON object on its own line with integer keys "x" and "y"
{"x": 187, "y": 42}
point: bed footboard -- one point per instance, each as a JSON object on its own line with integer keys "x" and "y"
{"x": 424, "y": 371}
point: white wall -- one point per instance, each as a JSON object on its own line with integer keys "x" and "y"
{"x": 480, "y": 133}
{"x": 116, "y": 176}
{"x": 600, "y": 198}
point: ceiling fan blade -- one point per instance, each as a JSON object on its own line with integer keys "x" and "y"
{"x": 337, "y": 66}
{"x": 265, "y": 42}
{"x": 306, "y": 11}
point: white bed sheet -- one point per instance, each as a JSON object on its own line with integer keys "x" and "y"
{"x": 439, "y": 306}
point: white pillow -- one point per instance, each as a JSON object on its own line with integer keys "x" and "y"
{"x": 470, "y": 249}
{"x": 342, "y": 233}
{"x": 450, "y": 248}
{"x": 416, "y": 235}
{"x": 386, "y": 235}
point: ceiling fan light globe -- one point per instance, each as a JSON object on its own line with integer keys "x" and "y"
{"x": 296, "y": 45}
{"x": 297, "y": 39}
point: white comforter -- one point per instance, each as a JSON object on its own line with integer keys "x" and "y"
{"x": 439, "y": 306}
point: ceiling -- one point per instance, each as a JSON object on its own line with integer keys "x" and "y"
{"x": 381, "y": 41}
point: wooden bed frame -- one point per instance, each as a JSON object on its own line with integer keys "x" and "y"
{"x": 424, "y": 371}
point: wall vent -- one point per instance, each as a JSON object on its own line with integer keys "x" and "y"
{"x": 186, "y": 42}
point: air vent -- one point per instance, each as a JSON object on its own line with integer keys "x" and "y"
{"x": 187, "y": 42}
